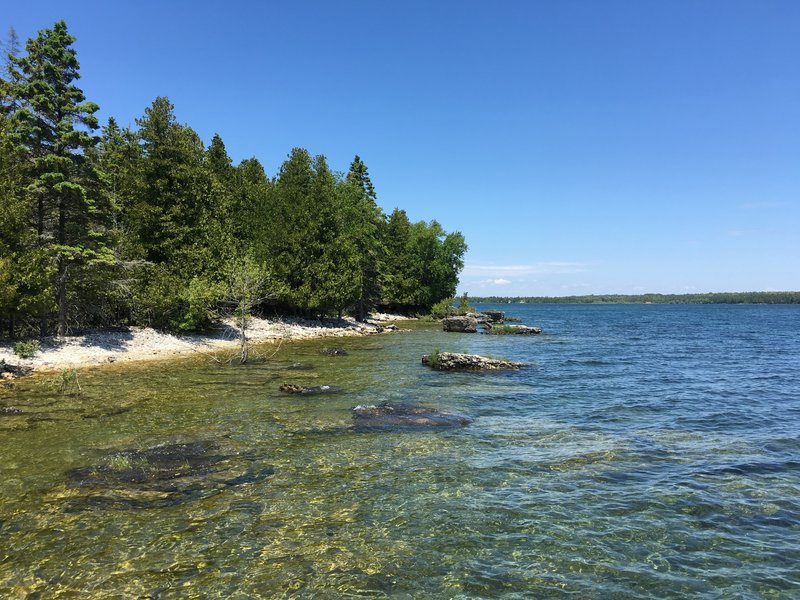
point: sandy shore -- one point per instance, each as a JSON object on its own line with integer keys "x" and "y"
{"x": 141, "y": 343}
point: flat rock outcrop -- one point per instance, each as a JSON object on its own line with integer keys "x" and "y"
{"x": 160, "y": 476}
{"x": 460, "y": 324}
{"x": 404, "y": 416}
{"x": 453, "y": 361}
{"x": 513, "y": 330}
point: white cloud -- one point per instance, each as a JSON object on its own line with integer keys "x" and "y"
{"x": 555, "y": 267}
{"x": 484, "y": 283}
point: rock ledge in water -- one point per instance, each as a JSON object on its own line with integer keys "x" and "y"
{"x": 460, "y": 324}
{"x": 453, "y": 361}
{"x": 513, "y": 330}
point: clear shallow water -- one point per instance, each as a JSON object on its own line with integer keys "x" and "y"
{"x": 650, "y": 451}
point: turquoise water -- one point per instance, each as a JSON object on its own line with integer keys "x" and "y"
{"x": 648, "y": 451}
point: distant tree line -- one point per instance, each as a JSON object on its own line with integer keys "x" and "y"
{"x": 146, "y": 225}
{"x": 708, "y": 298}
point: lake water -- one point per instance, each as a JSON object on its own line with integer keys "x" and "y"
{"x": 647, "y": 452}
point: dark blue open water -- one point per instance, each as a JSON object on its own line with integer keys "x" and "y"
{"x": 648, "y": 452}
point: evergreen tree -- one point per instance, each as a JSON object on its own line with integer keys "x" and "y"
{"x": 332, "y": 279}
{"x": 171, "y": 225}
{"x": 52, "y": 122}
{"x": 365, "y": 219}
{"x": 400, "y": 284}
{"x": 289, "y": 226}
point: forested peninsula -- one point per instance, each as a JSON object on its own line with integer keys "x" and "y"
{"x": 145, "y": 225}
{"x": 709, "y": 298}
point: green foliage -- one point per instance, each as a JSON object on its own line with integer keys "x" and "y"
{"x": 140, "y": 225}
{"x": 196, "y": 309}
{"x": 443, "y": 308}
{"x": 434, "y": 358}
{"x": 464, "y": 305}
{"x": 27, "y": 349}
{"x": 51, "y": 124}
{"x": 423, "y": 262}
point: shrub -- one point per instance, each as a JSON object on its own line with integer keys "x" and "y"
{"x": 434, "y": 358}
{"x": 463, "y": 305}
{"x": 27, "y": 348}
{"x": 443, "y": 308}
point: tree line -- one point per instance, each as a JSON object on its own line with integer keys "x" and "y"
{"x": 707, "y": 298}
{"x": 146, "y": 225}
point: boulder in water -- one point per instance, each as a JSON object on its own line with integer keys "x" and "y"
{"x": 495, "y": 316}
{"x": 453, "y": 361}
{"x": 460, "y": 324}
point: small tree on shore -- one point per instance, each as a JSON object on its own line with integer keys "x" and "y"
{"x": 249, "y": 284}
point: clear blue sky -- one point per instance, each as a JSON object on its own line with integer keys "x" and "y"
{"x": 580, "y": 146}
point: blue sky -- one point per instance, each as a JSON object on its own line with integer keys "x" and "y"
{"x": 580, "y": 146}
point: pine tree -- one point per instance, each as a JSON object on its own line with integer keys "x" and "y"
{"x": 52, "y": 122}
{"x": 365, "y": 220}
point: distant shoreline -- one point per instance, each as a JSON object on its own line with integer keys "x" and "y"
{"x": 709, "y": 298}
{"x": 136, "y": 344}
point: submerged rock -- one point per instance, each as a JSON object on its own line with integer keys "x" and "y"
{"x": 460, "y": 324}
{"x": 293, "y": 388}
{"x": 299, "y": 367}
{"x": 10, "y": 411}
{"x": 453, "y": 361}
{"x": 403, "y": 416}
{"x": 163, "y": 475}
{"x": 333, "y": 352}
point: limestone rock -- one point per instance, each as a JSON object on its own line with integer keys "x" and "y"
{"x": 460, "y": 324}
{"x": 495, "y": 316}
{"x": 453, "y": 361}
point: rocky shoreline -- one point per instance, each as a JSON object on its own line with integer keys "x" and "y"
{"x": 145, "y": 344}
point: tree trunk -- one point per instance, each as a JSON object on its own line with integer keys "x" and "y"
{"x": 61, "y": 284}
{"x": 243, "y": 337}
{"x": 361, "y": 311}
{"x": 61, "y": 287}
